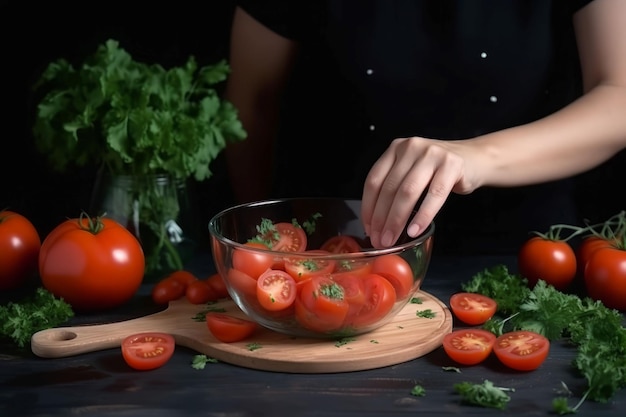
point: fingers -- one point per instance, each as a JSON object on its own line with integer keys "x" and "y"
{"x": 405, "y": 172}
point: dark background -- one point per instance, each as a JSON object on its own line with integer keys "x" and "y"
{"x": 33, "y": 33}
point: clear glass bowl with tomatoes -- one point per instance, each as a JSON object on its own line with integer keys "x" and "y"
{"x": 305, "y": 267}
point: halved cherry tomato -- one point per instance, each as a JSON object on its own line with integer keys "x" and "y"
{"x": 341, "y": 244}
{"x": 291, "y": 238}
{"x": 200, "y": 292}
{"x": 146, "y": 351}
{"x": 216, "y": 281}
{"x": 354, "y": 293}
{"x": 397, "y": 271}
{"x": 553, "y": 261}
{"x": 522, "y": 350}
{"x": 227, "y": 328}
{"x": 303, "y": 267}
{"x": 276, "y": 290}
{"x": 250, "y": 261}
{"x": 380, "y": 296}
{"x": 469, "y": 346}
{"x": 166, "y": 290}
{"x": 472, "y": 308}
{"x": 321, "y": 305}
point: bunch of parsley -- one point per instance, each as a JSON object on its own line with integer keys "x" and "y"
{"x": 595, "y": 330}
{"x": 130, "y": 118}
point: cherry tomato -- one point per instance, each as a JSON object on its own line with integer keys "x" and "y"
{"x": 522, "y": 350}
{"x": 227, "y": 328}
{"x": 397, "y": 271}
{"x": 276, "y": 290}
{"x": 605, "y": 277}
{"x": 216, "y": 281}
{"x": 93, "y": 264}
{"x": 291, "y": 238}
{"x": 354, "y": 293}
{"x": 360, "y": 267}
{"x": 380, "y": 297}
{"x": 250, "y": 261}
{"x": 303, "y": 267}
{"x": 243, "y": 284}
{"x": 469, "y": 346}
{"x": 341, "y": 244}
{"x": 166, "y": 290}
{"x": 472, "y": 308}
{"x": 146, "y": 351}
{"x": 19, "y": 249}
{"x": 586, "y": 248}
{"x": 200, "y": 292}
{"x": 321, "y": 305}
{"x": 553, "y": 261}
{"x": 184, "y": 277}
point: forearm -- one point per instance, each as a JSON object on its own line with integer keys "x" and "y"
{"x": 571, "y": 141}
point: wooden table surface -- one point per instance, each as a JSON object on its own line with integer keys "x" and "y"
{"x": 100, "y": 383}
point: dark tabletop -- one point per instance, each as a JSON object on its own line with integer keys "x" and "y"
{"x": 101, "y": 384}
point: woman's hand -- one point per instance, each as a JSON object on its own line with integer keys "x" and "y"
{"x": 408, "y": 169}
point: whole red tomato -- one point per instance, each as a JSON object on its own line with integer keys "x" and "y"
{"x": 587, "y": 248}
{"x": 553, "y": 261}
{"x": 19, "y": 249}
{"x": 92, "y": 263}
{"x": 605, "y": 277}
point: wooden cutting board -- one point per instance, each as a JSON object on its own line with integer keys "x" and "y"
{"x": 405, "y": 338}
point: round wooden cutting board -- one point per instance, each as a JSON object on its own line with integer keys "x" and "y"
{"x": 406, "y": 337}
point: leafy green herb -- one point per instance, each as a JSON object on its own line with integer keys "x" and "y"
{"x": 200, "y": 361}
{"x": 427, "y": 314}
{"x": 20, "y": 320}
{"x": 485, "y": 394}
{"x": 309, "y": 225}
{"x": 201, "y": 315}
{"x": 253, "y": 346}
{"x": 418, "y": 391}
{"x": 416, "y": 300}
{"x": 140, "y": 120}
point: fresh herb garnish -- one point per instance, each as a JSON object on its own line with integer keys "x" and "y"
{"x": 427, "y": 314}
{"x": 253, "y": 346}
{"x": 20, "y": 320}
{"x": 418, "y": 391}
{"x": 200, "y": 361}
{"x": 485, "y": 394}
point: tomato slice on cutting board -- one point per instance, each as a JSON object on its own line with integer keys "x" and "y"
{"x": 469, "y": 346}
{"x": 229, "y": 329}
{"x": 146, "y": 351}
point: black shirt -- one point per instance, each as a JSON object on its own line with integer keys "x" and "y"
{"x": 375, "y": 70}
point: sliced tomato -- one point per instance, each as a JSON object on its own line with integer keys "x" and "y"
{"x": 468, "y": 346}
{"x": 303, "y": 267}
{"x": 252, "y": 262}
{"x": 276, "y": 290}
{"x": 229, "y": 329}
{"x": 522, "y": 350}
{"x": 380, "y": 297}
{"x": 472, "y": 308}
{"x": 150, "y": 350}
{"x": 321, "y": 305}
{"x": 354, "y": 293}
{"x": 286, "y": 237}
{"x": 341, "y": 244}
{"x": 397, "y": 271}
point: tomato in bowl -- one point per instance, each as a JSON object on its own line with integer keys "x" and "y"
{"x": 305, "y": 267}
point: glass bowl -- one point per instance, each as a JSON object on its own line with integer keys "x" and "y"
{"x": 304, "y": 266}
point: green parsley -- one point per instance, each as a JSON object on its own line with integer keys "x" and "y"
{"x": 253, "y": 346}
{"x": 418, "y": 391}
{"x": 200, "y": 361}
{"x": 485, "y": 394}
{"x": 427, "y": 314}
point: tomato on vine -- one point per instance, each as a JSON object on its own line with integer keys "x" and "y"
{"x": 549, "y": 257}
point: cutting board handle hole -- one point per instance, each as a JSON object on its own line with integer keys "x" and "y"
{"x": 63, "y": 336}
